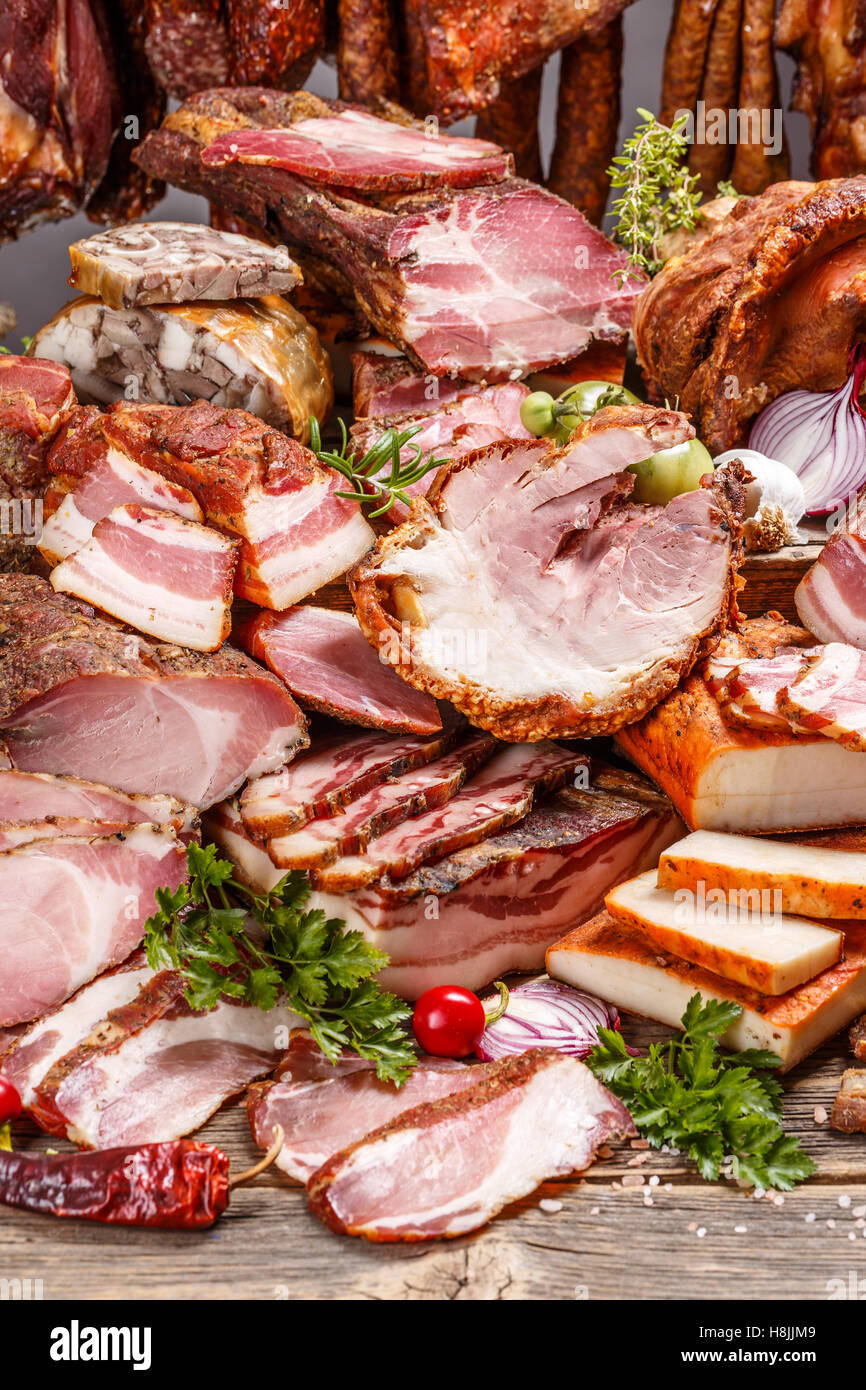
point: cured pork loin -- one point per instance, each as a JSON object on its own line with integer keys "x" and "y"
{"x": 772, "y": 298}
{"x": 72, "y": 907}
{"x": 328, "y": 665}
{"x": 531, "y": 594}
{"x": 35, "y": 398}
{"x": 168, "y": 578}
{"x": 395, "y": 252}
{"x": 459, "y": 57}
{"x": 323, "y": 1108}
{"x": 60, "y": 109}
{"x": 174, "y": 262}
{"x": 248, "y": 479}
{"x": 448, "y": 1166}
{"x": 494, "y": 906}
{"x": 160, "y": 1070}
{"x": 746, "y": 776}
{"x": 84, "y": 698}
{"x": 338, "y": 770}
{"x": 259, "y": 355}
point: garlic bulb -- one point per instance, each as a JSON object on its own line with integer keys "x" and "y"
{"x": 775, "y": 501}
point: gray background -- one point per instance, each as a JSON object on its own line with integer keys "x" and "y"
{"x": 33, "y": 271}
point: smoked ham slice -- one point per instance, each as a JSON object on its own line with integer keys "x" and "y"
{"x": 174, "y": 262}
{"x": 113, "y": 481}
{"x": 338, "y": 770}
{"x": 35, "y": 796}
{"x": 384, "y": 385}
{"x": 322, "y": 841}
{"x": 80, "y": 697}
{"x": 327, "y": 663}
{"x": 355, "y": 149}
{"x": 323, "y": 1108}
{"x": 590, "y": 610}
{"x": 170, "y": 578}
{"x": 448, "y": 1166}
{"x": 69, "y": 908}
{"x": 829, "y": 696}
{"x": 497, "y": 796}
{"x": 248, "y": 479}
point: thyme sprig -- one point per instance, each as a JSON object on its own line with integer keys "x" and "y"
{"x": 367, "y": 473}
{"x": 660, "y": 195}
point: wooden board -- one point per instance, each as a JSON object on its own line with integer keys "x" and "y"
{"x": 772, "y": 579}
{"x": 603, "y": 1244}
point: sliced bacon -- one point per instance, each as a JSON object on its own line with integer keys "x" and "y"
{"x": 354, "y": 149}
{"x": 112, "y": 481}
{"x": 324, "y": 1108}
{"x": 167, "y": 1078}
{"x": 500, "y": 794}
{"x": 69, "y": 908}
{"x": 829, "y": 696}
{"x": 45, "y": 1042}
{"x": 751, "y": 690}
{"x": 338, "y": 770}
{"x": 831, "y": 597}
{"x": 327, "y": 663}
{"x": 81, "y": 697}
{"x": 321, "y": 841}
{"x": 448, "y": 1166}
{"x": 168, "y": 577}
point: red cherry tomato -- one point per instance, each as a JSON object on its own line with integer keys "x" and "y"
{"x": 10, "y": 1101}
{"x": 448, "y": 1021}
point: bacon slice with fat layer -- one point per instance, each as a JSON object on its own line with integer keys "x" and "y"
{"x": 168, "y": 577}
{"x": 829, "y": 696}
{"x": 328, "y": 664}
{"x": 448, "y": 1166}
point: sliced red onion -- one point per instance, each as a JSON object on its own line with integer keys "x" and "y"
{"x": 546, "y": 1013}
{"x": 821, "y": 436}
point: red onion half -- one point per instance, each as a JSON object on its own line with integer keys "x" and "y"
{"x": 547, "y": 1013}
{"x": 821, "y": 436}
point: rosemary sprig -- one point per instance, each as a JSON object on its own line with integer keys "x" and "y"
{"x": 366, "y": 473}
{"x": 660, "y": 194}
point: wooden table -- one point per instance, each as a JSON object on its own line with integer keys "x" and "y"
{"x": 604, "y": 1243}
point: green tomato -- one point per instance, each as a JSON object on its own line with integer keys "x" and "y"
{"x": 536, "y": 413}
{"x": 582, "y": 400}
{"x": 667, "y": 474}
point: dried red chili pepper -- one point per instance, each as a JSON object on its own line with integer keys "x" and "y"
{"x": 181, "y": 1185}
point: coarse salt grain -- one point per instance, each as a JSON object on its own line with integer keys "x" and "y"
{"x": 740, "y": 1230}
{"x": 845, "y": 1200}
{"x": 820, "y": 1115}
{"x": 548, "y": 1204}
{"x": 810, "y": 1217}
{"x": 701, "y": 1232}
{"x": 632, "y": 1180}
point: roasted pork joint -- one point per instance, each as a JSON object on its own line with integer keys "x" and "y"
{"x": 448, "y": 1166}
{"x": 534, "y": 597}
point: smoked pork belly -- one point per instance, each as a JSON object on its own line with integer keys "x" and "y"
{"x": 492, "y": 907}
{"x": 326, "y": 662}
{"x": 167, "y": 577}
{"x": 248, "y": 479}
{"x": 70, "y": 908}
{"x": 728, "y": 778}
{"x": 259, "y": 355}
{"x": 162, "y": 1080}
{"x": 35, "y": 398}
{"x": 497, "y": 796}
{"x": 618, "y": 963}
{"x": 324, "y": 840}
{"x": 577, "y": 611}
{"x": 831, "y": 596}
{"x": 82, "y": 698}
{"x": 113, "y": 481}
{"x": 339, "y": 769}
{"x": 323, "y": 1108}
{"x": 485, "y": 283}
{"x": 174, "y": 262}
{"x": 828, "y": 695}
{"x": 448, "y": 1166}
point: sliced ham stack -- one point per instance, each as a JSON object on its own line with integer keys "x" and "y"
{"x": 81, "y": 697}
{"x": 328, "y": 665}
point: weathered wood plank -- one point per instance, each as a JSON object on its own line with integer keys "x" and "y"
{"x": 772, "y": 579}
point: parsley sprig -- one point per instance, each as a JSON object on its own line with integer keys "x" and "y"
{"x": 298, "y": 957}
{"x": 723, "y": 1109}
{"x": 660, "y": 195}
{"x": 367, "y": 473}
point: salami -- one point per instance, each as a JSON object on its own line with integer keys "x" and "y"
{"x": 712, "y": 162}
{"x": 587, "y": 120}
{"x": 274, "y": 43}
{"x": 511, "y": 121}
{"x": 367, "y": 62}
{"x": 685, "y": 57}
{"x": 755, "y": 164}
{"x": 185, "y": 43}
